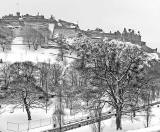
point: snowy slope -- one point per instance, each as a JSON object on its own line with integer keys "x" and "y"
{"x": 22, "y": 53}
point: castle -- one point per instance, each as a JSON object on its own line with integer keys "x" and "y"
{"x": 69, "y": 29}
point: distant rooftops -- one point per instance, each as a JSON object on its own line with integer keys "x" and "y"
{"x": 11, "y": 16}
{"x": 38, "y": 18}
{"x": 27, "y": 17}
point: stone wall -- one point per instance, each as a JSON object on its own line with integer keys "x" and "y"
{"x": 66, "y": 32}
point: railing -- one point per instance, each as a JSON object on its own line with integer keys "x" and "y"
{"x": 19, "y": 127}
{"x": 81, "y": 122}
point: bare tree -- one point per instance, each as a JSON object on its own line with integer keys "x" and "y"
{"x": 23, "y": 86}
{"x": 115, "y": 69}
{"x": 33, "y": 38}
{"x": 63, "y": 48}
{"x": 6, "y": 36}
{"x": 5, "y": 76}
{"x": 44, "y": 80}
{"x": 151, "y": 89}
{"x": 57, "y": 81}
{"x": 72, "y": 88}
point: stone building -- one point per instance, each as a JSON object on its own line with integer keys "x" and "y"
{"x": 38, "y": 22}
{"x": 127, "y": 36}
{"x": 67, "y": 29}
{"x": 11, "y": 19}
{"x": 51, "y": 27}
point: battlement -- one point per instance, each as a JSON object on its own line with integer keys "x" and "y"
{"x": 127, "y": 36}
{"x": 37, "y": 18}
{"x": 10, "y": 18}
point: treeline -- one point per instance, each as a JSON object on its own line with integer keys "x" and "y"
{"x": 6, "y": 36}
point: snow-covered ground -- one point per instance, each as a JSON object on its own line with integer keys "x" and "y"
{"x": 18, "y": 116}
{"x": 150, "y": 129}
{"x": 22, "y": 53}
{"x": 40, "y": 116}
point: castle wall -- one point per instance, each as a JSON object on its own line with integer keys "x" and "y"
{"x": 50, "y": 27}
{"x": 66, "y": 32}
{"x": 41, "y": 27}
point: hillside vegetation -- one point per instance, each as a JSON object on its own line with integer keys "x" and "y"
{"x": 6, "y": 36}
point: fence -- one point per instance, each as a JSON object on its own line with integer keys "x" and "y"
{"x": 19, "y": 127}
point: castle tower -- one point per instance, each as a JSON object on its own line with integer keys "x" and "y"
{"x": 18, "y": 14}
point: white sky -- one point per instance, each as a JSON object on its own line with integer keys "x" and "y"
{"x": 143, "y": 15}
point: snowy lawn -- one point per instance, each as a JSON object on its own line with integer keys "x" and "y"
{"x": 18, "y": 116}
{"x": 136, "y": 126}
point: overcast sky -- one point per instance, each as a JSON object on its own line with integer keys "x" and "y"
{"x": 142, "y": 15}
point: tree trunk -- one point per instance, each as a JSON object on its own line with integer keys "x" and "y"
{"x": 134, "y": 113}
{"x": 3, "y": 47}
{"x": 47, "y": 95}
{"x": 99, "y": 122}
{"x": 148, "y": 111}
{"x": 87, "y": 102}
{"x": 118, "y": 119}
{"x": 29, "y": 46}
{"x": 27, "y": 109}
{"x": 67, "y": 102}
{"x": 147, "y": 125}
{"x": 70, "y": 107}
{"x": 23, "y": 107}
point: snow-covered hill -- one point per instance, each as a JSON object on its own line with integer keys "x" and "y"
{"x": 20, "y": 52}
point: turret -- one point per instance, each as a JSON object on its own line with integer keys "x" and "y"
{"x": 18, "y": 14}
